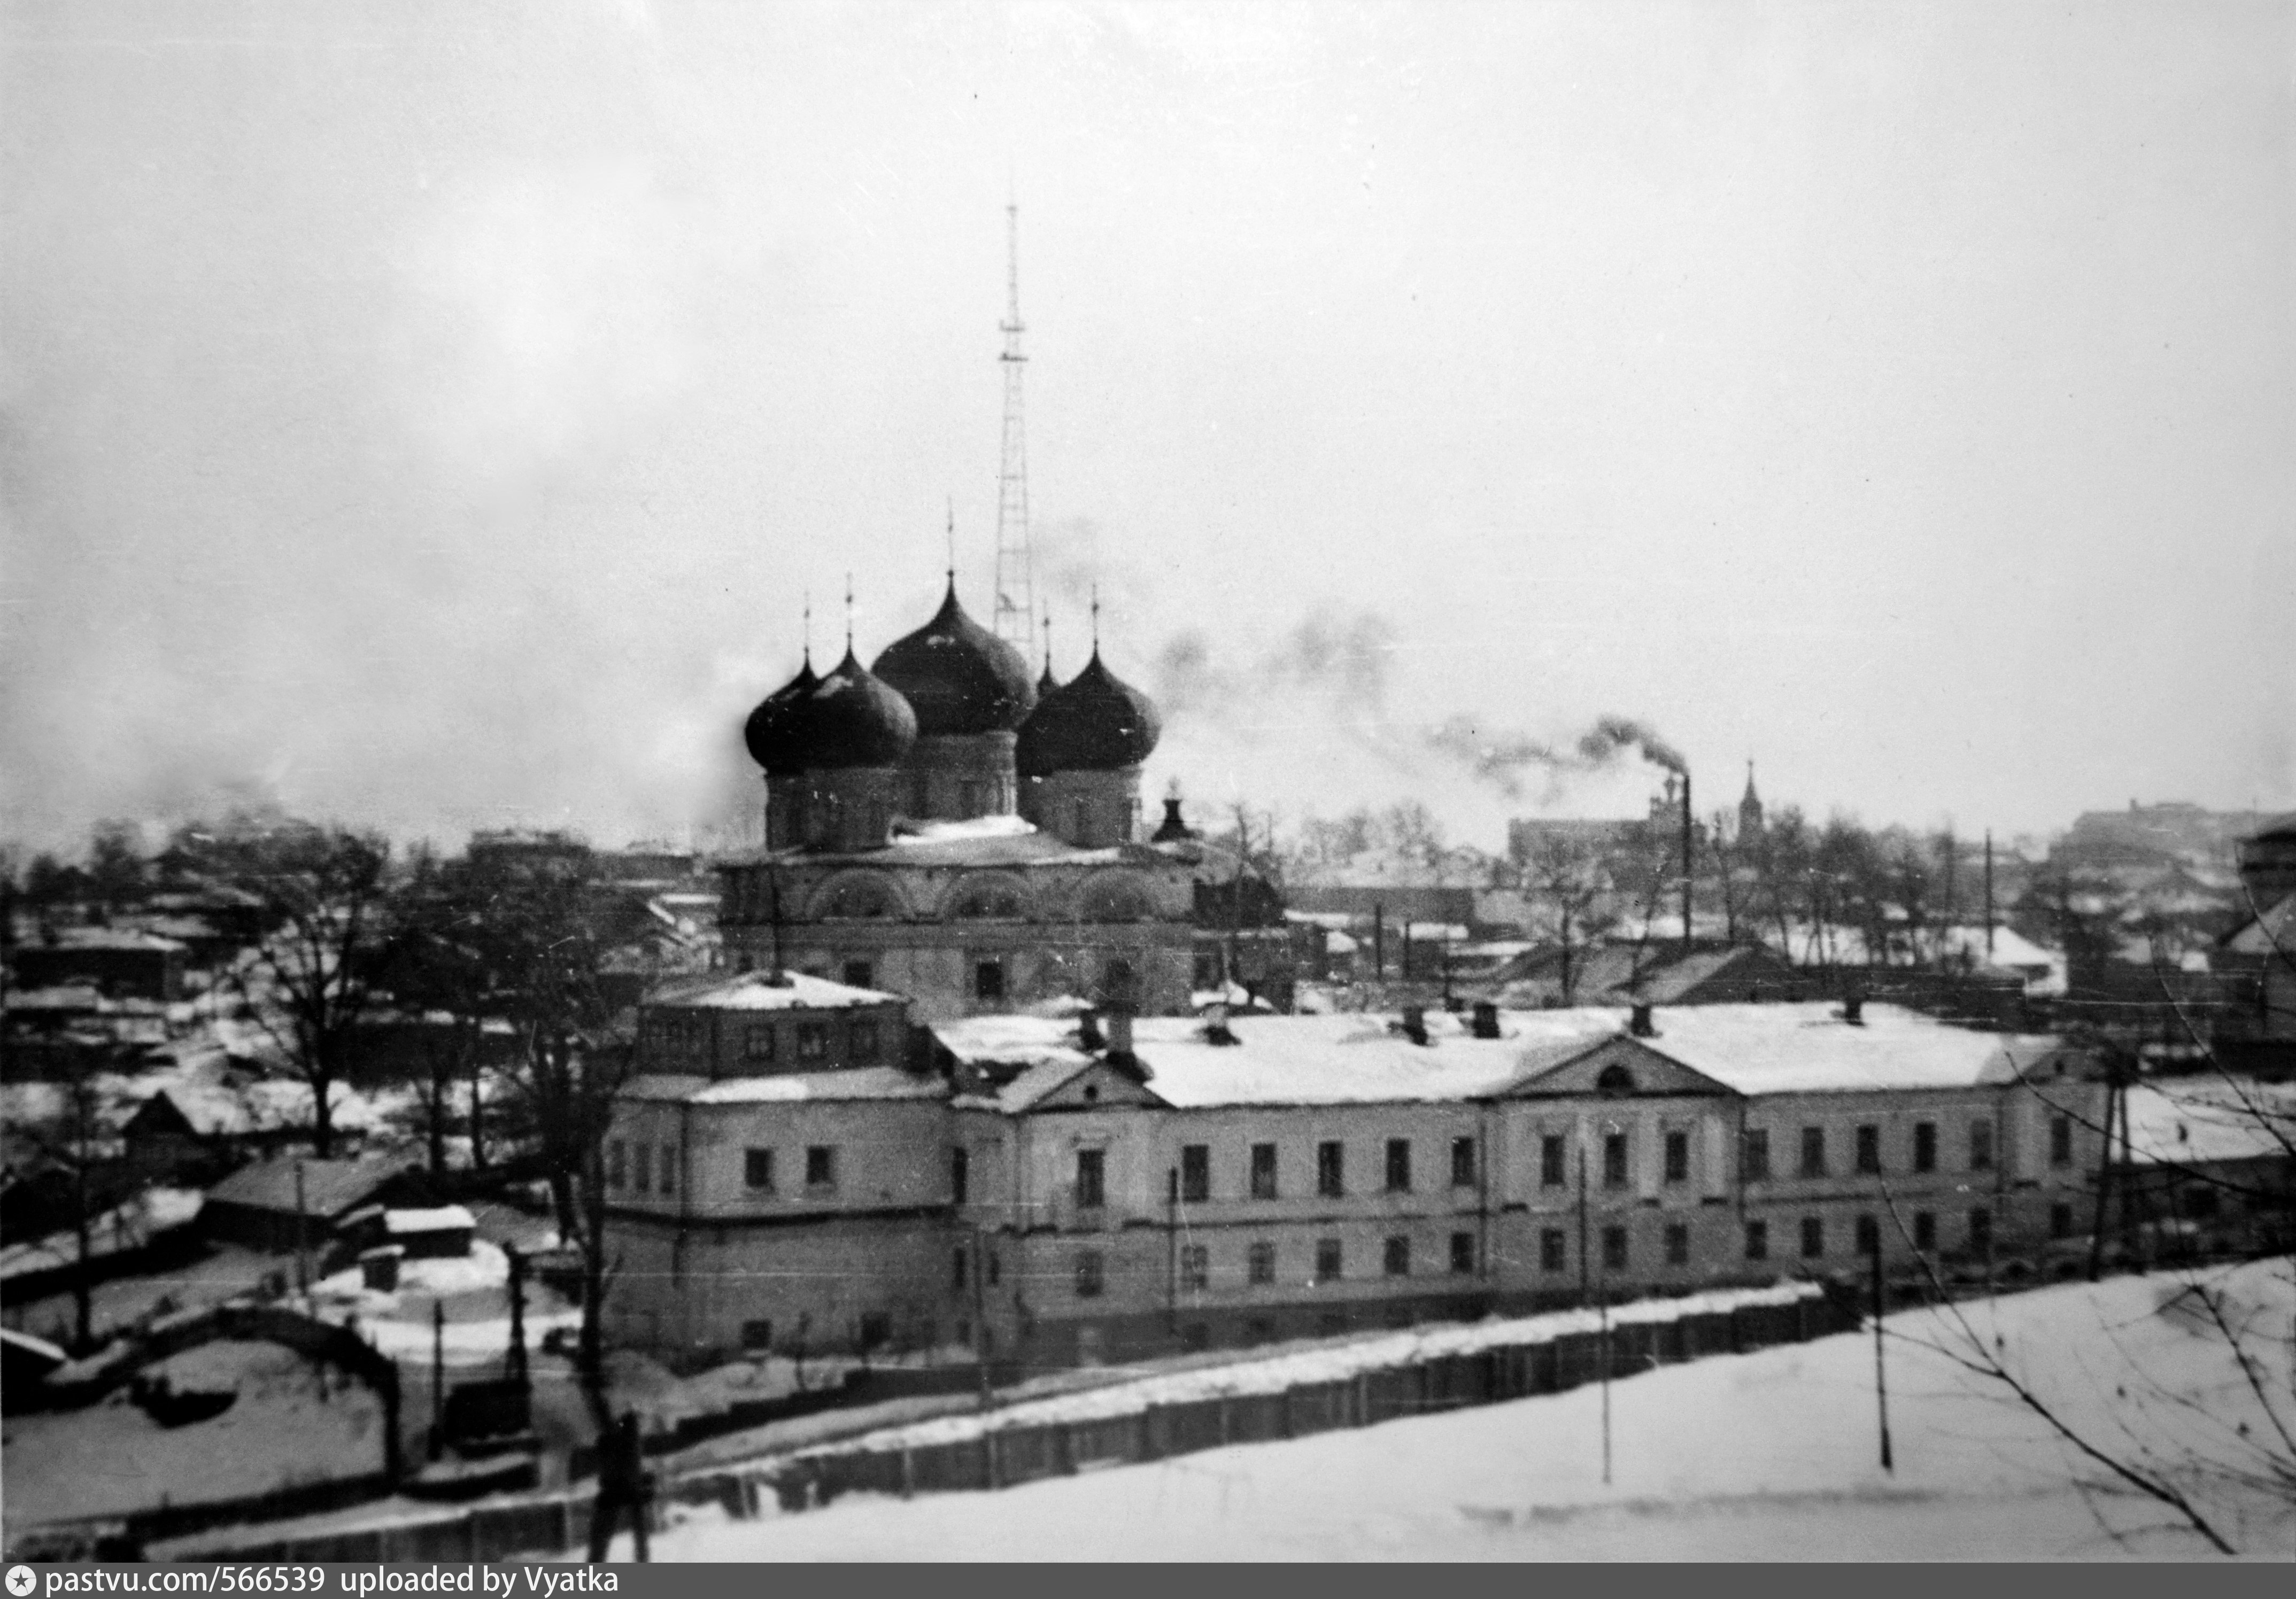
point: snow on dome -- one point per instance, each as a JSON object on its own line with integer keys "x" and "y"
{"x": 850, "y": 718}
{"x": 957, "y": 676}
{"x": 1094, "y": 722}
{"x": 771, "y": 729}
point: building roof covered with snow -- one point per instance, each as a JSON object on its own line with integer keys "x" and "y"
{"x": 760, "y": 990}
{"x": 789, "y": 1088}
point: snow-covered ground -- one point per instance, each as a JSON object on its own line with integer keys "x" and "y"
{"x": 1767, "y": 1456}
{"x": 291, "y": 1422}
{"x": 474, "y": 1290}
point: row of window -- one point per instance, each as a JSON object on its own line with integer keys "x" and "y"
{"x": 1195, "y": 1263}
{"x": 632, "y": 1166}
{"x": 1754, "y": 1165}
{"x": 1193, "y": 1177}
{"x": 1555, "y": 1249}
{"x": 686, "y": 1033}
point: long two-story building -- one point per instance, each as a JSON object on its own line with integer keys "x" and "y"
{"x": 1071, "y": 1190}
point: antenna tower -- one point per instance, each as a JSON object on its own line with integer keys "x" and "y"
{"x": 1016, "y": 591}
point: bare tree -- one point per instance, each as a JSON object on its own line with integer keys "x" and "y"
{"x": 309, "y": 985}
{"x": 1571, "y": 892}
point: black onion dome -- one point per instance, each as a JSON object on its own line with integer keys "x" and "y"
{"x": 851, "y": 718}
{"x": 769, "y": 731}
{"x": 1045, "y": 681}
{"x": 959, "y": 677}
{"x": 1094, "y": 722}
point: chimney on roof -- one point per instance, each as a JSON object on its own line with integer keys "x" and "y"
{"x": 1415, "y": 1022}
{"x": 1487, "y": 1019}
{"x": 1119, "y": 1035}
{"x": 1088, "y": 1030}
{"x": 1215, "y": 1028}
{"x": 1173, "y": 829}
{"x": 1853, "y": 1010}
{"x": 1639, "y": 1023}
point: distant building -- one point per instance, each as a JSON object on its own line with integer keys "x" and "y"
{"x": 2267, "y": 864}
{"x": 284, "y": 1203}
{"x": 120, "y": 962}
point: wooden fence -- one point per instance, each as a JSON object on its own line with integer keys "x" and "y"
{"x": 1005, "y": 1457}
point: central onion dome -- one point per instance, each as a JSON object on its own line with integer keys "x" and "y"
{"x": 849, "y": 718}
{"x": 767, "y": 731}
{"x": 960, "y": 678}
{"x": 1096, "y": 721}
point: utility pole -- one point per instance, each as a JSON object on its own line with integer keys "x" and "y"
{"x": 438, "y": 1376}
{"x": 1881, "y": 1382}
{"x": 302, "y": 1234}
{"x": 1585, "y": 1265}
{"x": 1013, "y": 618}
{"x": 1988, "y": 896}
{"x": 980, "y": 1310}
{"x": 1689, "y": 837}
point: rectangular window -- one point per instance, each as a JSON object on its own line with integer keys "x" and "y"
{"x": 1196, "y": 1173}
{"x": 2061, "y": 1140}
{"x": 1678, "y": 1243}
{"x": 820, "y": 1166}
{"x": 860, "y": 974}
{"x": 1554, "y": 1161}
{"x": 1980, "y": 1146}
{"x": 1813, "y": 1237}
{"x": 757, "y": 1334}
{"x": 2061, "y": 1221}
{"x": 1980, "y": 1230}
{"x": 1260, "y": 1263}
{"x": 1091, "y": 1178}
{"x": 616, "y": 1164}
{"x": 1813, "y": 1152}
{"x": 1462, "y": 1162}
{"x": 960, "y": 1175}
{"x": 1196, "y": 1267}
{"x": 1554, "y": 1250}
{"x": 865, "y": 1040}
{"x": 956, "y": 1273}
{"x": 1677, "y": 1157}
{"x": 1869, "y": 1149}
{"x": 641, "y": 1168}
{"x": 1463, "y": 1252}
{"x": 1924, "y": 1146}
{"x": 1755, "y": 1165}
{"x": 758, "y": 1170}
{"x": 669, "y": 1168}
{"x": 1925, "y": 1231}
{"x": 1614, "y": 1160}
{"x": 1089, "y": 1278}
{"x": 1614, "y": 1249}
{"x": 1398, "y": 1165}
{"x": 1330, "y": 1169}
{"x": 1328, "y": 1260}
{"x": 1396, "y": 1259}
{"x": 812, "y": 1041}
{"x": 1758, "y": 1240}
{"x": 1869, "y": 1236}
{"x": 1263, "y": 1171}
{"x": 757, "y": 1042}
{"x": 988, "y": 979}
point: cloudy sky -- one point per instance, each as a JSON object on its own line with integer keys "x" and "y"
{"x": 431, "y": 415}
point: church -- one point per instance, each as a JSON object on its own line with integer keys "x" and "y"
{"x": 941, "y": 827}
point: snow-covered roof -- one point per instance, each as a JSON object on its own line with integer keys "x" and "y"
{"x": 1809, "y": 1049}
{"x": 2271, "y": 933}
{"x": 757, "y": 991}
{"x": 105, "y": 938}
{"x": 436, "y": 1219}
{"x": 790, "y": 1088}
{"x": 2211, "y": 1121}
{"x": 1351, "y": 1058}
{"x": 979, "y": 841}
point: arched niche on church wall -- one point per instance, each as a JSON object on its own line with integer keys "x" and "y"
{"x": 1115, "y": 896}
{"x": 857, "y": 896}
{"x": 986, "y": 897}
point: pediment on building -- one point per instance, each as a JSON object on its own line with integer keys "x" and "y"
{"x": 1093, "y": 1085}
{"x": 1620, "y": 1067}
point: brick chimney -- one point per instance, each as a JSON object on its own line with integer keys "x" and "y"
{"x": 1415, "y": 1022}
{"x": 1119, "y": 1035}
{"x": 1639, "y": 1023}
{"x": 1487, "y": 1019}
{"x": 1853, "y": 1010}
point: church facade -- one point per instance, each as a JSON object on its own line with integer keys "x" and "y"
{"x": 939, "y": 826}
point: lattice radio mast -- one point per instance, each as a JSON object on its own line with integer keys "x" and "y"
{"x": 1016, "y": 590}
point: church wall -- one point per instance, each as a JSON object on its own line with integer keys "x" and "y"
{"x": 956, "y": 777}
{"x": 1091, "y": 810}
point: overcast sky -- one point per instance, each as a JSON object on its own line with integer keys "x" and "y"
{"x": 430, "y": 415}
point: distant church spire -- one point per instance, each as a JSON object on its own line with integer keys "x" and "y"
{"x": 1750, "y": 809}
